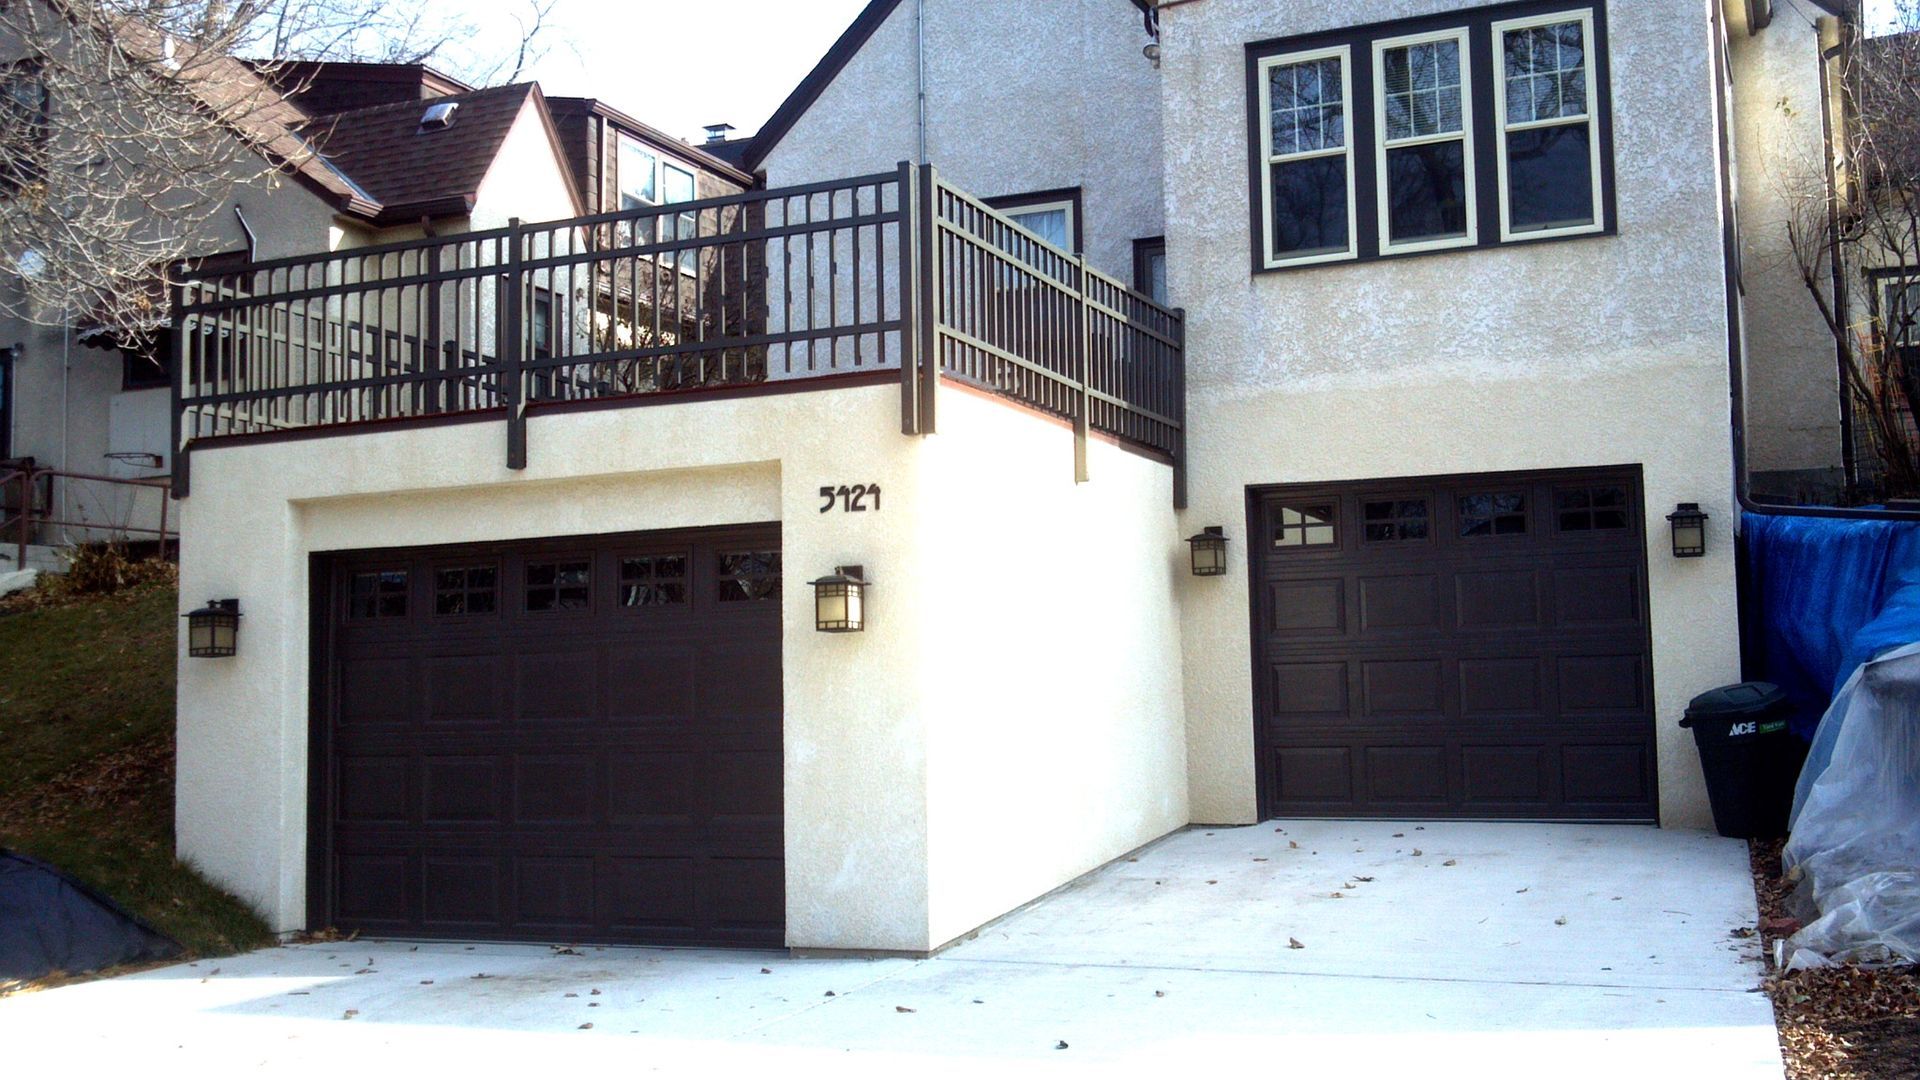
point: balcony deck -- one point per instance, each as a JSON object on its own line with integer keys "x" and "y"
{"x": 894, "y": 276}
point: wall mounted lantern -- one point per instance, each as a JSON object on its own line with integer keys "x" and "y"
{"x": 1689, "y": 524}
{"x": 1209, "y": 551}
{"x": 214, "y": 630}
{"x": 839, "y": 601}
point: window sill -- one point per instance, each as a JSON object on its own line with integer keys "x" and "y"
{"x": 1484, "y": 245}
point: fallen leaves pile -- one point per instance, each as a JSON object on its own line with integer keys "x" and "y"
{"x": 1843, "y": 1023}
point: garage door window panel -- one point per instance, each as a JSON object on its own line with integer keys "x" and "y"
{"x": 653, "y": 581}
{"x": 1306, "y": 525}
{"x": 748, "y": 576}
{"x": 1493, "y": 514}
{"x": 1591, "y": 509}
{"x": 1389, "y": 521}
{"x": 466, "y": 590}
{"x": 377, "y": 594}
{"x": 560, "y": 586}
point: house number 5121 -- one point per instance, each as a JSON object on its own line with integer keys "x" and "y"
{"x": 852, "y": 500}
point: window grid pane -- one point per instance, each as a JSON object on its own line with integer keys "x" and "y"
{"x": 749, "y": 575}
{"x": 1423, "y": 89}
{"x": 560, "y": 586}
{"x": 1307, "y": 525}
{"x": 377, "y": 594}
{"x": 653, "y": 580}
{"x": 1394, "y": 520}
{"x": 1307, "y": 110}
{"x": 1497, "y": 514}
{"x": 465, "y": 590}
{"x": 1546, "y": 73}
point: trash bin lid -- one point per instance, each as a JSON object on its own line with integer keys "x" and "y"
{"x": 1740, "y": 699}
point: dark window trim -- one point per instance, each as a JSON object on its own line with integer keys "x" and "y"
{"x": 1143, "y": 249}
{"x": 29, "y": 70}
{"x": 1004, "y": 203}
{"x": 1478, "y": 22}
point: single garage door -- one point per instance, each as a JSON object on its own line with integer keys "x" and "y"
{"x": 559, "y": 740}
{"x": 1466, "y": 646}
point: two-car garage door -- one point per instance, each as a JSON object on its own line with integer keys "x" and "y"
{"x": 1469, "y": 646}
{"x": 563, "y": 740}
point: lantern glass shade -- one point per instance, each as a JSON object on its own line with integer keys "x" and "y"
{"x": 1689, "y": 525}
{"x": 214, "y": 630}
{"x": 839, "y": 601}
{"x": 1209, "y": 551}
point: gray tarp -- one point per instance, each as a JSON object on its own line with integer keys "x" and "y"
{"x": 1855, "y": 840}
{"x": 49, "y": 923}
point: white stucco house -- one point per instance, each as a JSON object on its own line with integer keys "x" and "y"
{"x": 1433, "y": 314}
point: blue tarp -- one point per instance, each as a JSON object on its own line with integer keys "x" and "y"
{"x": 1828, "y": 594}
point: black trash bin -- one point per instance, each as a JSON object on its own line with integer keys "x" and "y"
{"x": 1750, "y": 758}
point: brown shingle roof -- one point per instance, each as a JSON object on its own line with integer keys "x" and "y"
{"x": 409, "y": 170}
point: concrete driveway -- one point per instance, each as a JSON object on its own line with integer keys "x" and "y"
{"x": 1445, "y": 949}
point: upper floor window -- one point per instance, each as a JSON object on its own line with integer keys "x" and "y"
{"x": 1465, "y": 129}
{"x": 1150, "y": 268}
{"x": 637, "y": 175}
{"x": 26, "y": 106}
{"x": 1054, "y": 216}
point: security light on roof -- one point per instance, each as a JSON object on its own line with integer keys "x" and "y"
{"x": 439, "y": 115}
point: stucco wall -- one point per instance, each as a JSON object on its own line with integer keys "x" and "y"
{"x": 1056, "y": 738}
{"x": 1021, "y": 97}
{"x": 527, "y": 179}
{"x": 1792, "y": 385}
{"x": 867, "y": 715}
{"x": 1600, "y": 351}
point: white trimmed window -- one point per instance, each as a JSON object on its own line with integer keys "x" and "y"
{"x": 1306, "y": 182}
{"x": 1549, "y": 138}
{"x": 1424, "y": 143}
{"x": 637, "y": 175}
{"x": 677, "y": 186}
{"x": 1049, "y": 219}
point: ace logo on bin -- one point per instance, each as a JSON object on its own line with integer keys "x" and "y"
{"x": 1751, "y": 727}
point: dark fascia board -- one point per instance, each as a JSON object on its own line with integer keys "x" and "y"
{"x": 838, "y": 56}
{"x": 647, "y": 133}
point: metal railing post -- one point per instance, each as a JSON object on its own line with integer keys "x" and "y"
{"x": 1082, "y": 358}
{"x": 512, "y": 351}
{"x": 26, "y": 516}
{"x": 930, "y": 270}
{"x": 177, "y": 295}
{"x": 1180, "y": 409}
{"x": 910, "y": 344}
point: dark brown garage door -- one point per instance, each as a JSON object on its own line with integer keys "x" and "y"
{"x": 1454, "y": 647}
{"x": 563, "y": 740}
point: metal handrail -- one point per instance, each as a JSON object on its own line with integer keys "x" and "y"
{"x": 22, "y": 524}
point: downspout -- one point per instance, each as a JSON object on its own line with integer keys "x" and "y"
{"x": 253, "y": 243}
{"x": 1842, "y": 354}
{"x": 920, "y": 78}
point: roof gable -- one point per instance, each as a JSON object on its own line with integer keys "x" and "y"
{"x": 839, "y": 54}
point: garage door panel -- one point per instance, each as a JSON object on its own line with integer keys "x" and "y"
{"x": 462, "y": 689}
{"x": 1309, "y": 689}
{"x": 1407, "y": 774}
{"x": 377, "y": 691}
{"x": 1599, "y": 596}
{"x": 461, "y": 790}
{"x": 556, "y": 685}
{"x": 1607, "y": 773}
{"x": 1495, "y": 776}
{"x": 653, "y": 790}
{"x": 556, "y": 789}
{"x": 560, "y": 740}
{"x": 1498, "y": 600}
{"x": 1403, "y": 689}
{"x": 1399, "y": 603}
{"x": 1441, "y": 646}
{"x": 1311, "y": 607}
{"x": 374, "y": 790}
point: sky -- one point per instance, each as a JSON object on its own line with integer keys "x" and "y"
{"x": 677, "y": 64}
{"x": 682, "y": 64}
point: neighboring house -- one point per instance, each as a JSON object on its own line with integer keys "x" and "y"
{"x": 1460, "y": 320}
{"x": 379, "y": 153}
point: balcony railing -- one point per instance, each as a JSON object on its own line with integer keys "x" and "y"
{"x": 892, "y": 276}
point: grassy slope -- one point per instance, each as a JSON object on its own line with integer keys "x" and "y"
{"x": 86, "y": 760}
